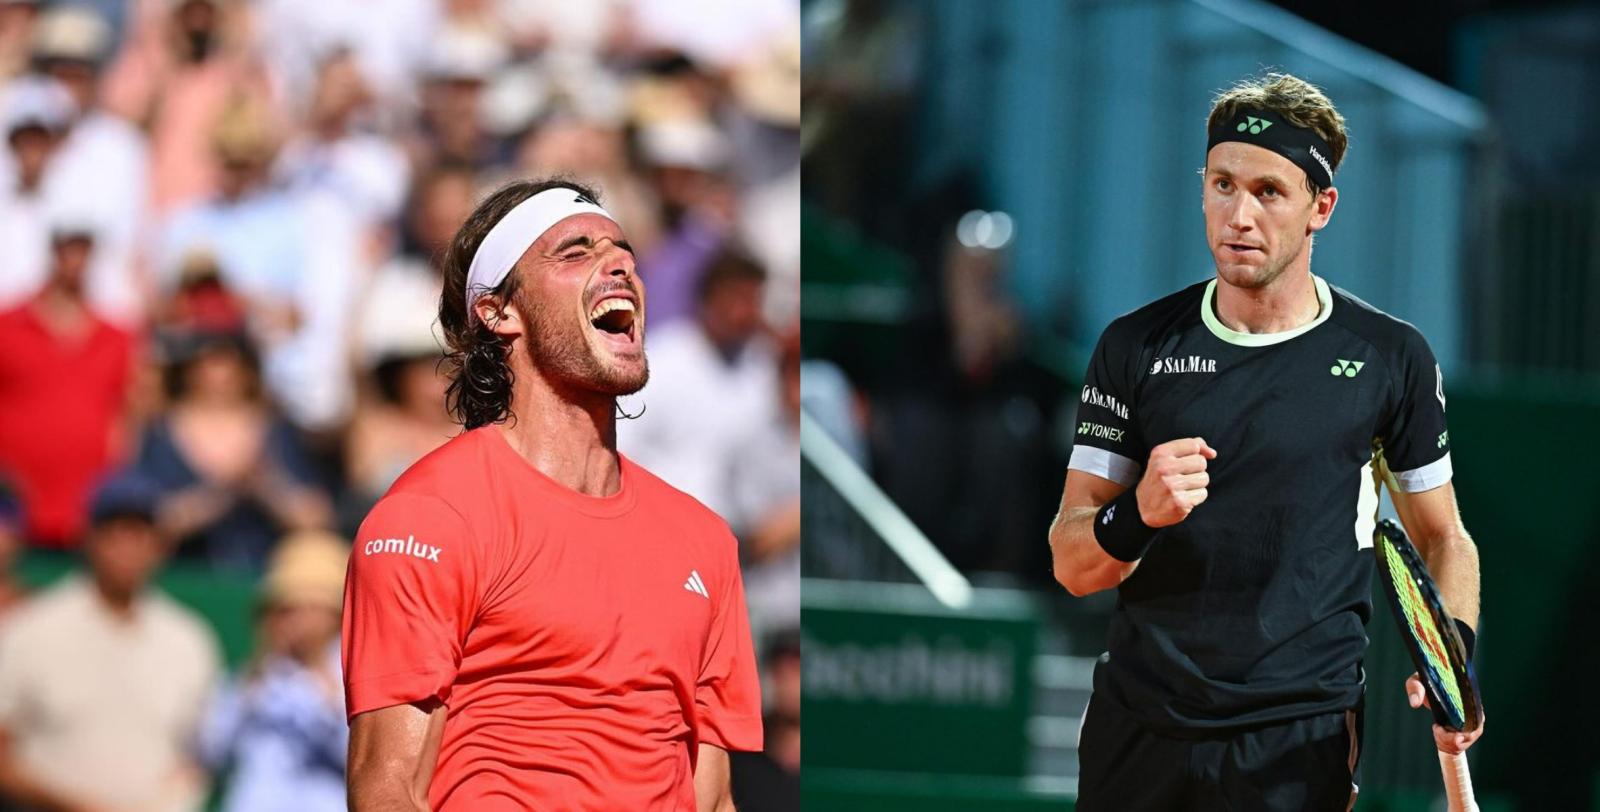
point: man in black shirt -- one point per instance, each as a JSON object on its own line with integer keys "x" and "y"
{"x": 1230, "y": 442}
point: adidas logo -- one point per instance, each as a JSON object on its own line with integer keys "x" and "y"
{"x": 1347, "y": 368}
{"x": 1253, "y": 124}
{"x": 695, "y": 585}
{"x": 1110, "y": 511}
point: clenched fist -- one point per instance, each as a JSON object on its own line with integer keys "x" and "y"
{"x": 1174, "y": 481}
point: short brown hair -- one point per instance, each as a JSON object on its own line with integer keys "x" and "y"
{"x": 1299, "y": 102}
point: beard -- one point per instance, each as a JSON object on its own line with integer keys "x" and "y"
{"x": 559, "y": 347}
{"x": 1263, "y": 276}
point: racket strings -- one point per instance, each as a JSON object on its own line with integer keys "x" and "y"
{"x": 1423, "y": 625}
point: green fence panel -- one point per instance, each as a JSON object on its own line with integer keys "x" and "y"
{"x": 896, "y": 681}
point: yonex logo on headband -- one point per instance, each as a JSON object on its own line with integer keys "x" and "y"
{"x": 1303, "y": 146}
{"x": 1253, "y": 124}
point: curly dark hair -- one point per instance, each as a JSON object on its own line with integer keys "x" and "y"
{"x": 476, "y": 358}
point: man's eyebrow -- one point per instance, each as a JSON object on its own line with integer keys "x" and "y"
{"x": 573, "y": 241}
{"x": 584, "y": 241}
{"x": 1271, "y": 180}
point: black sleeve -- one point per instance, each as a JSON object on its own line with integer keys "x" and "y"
{"x": 1415, "y": 439}
{"x": 1106, "y": 442}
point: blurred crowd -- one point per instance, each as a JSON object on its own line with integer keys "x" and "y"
{"x": 219, "y": 228}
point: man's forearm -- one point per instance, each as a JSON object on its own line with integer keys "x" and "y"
{"x": 713, "y": 780}
{"x": 1453, "y": 562}
{"x": 1079, "y": 563}
{"x": 383, "y": 796}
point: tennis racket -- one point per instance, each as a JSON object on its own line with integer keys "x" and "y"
{"x": 1436, "y": 650}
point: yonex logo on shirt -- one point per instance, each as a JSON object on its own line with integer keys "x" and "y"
{"x": 1347, "y": 368}
{"x": 406, "y": 546}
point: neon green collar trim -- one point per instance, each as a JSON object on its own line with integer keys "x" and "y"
{"x": 1208, "y": 314}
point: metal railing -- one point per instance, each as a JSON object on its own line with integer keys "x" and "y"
{"x": 852, "y": 530}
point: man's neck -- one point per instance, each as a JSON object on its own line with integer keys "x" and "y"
{"x": 569, "y": 437}
{"x": 116, "y": 601}
{"x": 62, "y": 310}
{"x": 1287, "y": 302}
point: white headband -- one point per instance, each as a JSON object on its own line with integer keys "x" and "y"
{"x": 523, "y": 226}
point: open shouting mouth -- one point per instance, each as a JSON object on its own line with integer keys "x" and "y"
{"x": 616, "y": 318}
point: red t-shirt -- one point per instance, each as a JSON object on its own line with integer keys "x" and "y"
{"x": 60, "y": 402}
{"x": 582, "y": 645}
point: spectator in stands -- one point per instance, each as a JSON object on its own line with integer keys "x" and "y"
{"x": 407, "y": 287}
{"x": 391, "y": 47}
{"x": 103, "y": 677}
{"x": 769, "y": 781}
{"x": 714, "y": 383}
{"x": 765, "y": 486}
{"x": 17, "y": 19}
{"x": 687, "y": 157}
{"x": 65, "y": 384}
{"x": 279, "y": 730}
{"x": 37, "y": 112}
{"x": 234, "y": 475}
{"x": 180, "y": 66}
{"x": 101, "y": 169}
{"x": 402, "y": 417}
{"x": 407, "y": 418}
{"x": 294, "y": 258}
{"x": 335, "y": 153}
{"x": 452, "y": 127}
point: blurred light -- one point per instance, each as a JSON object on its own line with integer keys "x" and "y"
{"x": 967, "y": 228}
{"x": 1000, "y": 230}
{"x": 985, "y": 229}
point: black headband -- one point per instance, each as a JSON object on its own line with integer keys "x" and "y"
{"x": 1268, "y": 130}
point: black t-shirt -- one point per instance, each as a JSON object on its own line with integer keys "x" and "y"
{"x": 1253, "y": 608}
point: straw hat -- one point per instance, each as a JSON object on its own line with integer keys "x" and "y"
{"x": 307, "y": 567}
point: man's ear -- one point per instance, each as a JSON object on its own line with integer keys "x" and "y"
{"x": 1322, "y": 209}
{"x": 502, "y": 316}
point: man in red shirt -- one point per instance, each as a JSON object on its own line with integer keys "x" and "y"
{"x": 65, "y": 380}
{"x": 531, "y": 621}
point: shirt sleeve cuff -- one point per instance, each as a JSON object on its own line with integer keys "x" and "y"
{"x": 732, "y": 733}
{"x": 1105, "y": 464}
{"x": 431, "y": 682}
{"x": 1427, "y": 477}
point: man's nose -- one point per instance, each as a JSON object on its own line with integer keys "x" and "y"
{"x": 620, "y": 260}
{"x": 1240, "y": 215}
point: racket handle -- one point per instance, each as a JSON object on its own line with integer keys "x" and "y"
{"x": 1457, "y": 782}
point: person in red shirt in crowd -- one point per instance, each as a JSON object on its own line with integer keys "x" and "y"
{"x": 530, "y": 619}
{"x": 66, "y": 376}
